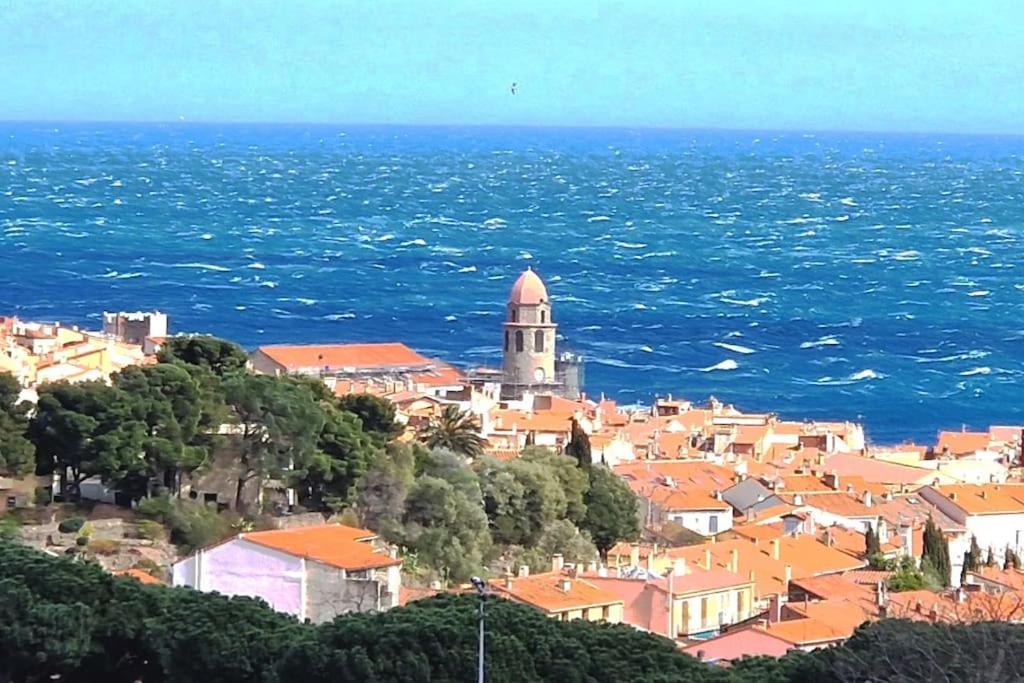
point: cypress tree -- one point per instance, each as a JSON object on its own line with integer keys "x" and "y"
{"x": 990, "y": 561}
{"x": 872, "y": 547}
{"x": 579, "y": 446}
{"x": 1011, "y": 561}
{"x": 936, "y": 551}
{"x": 972, "y": 558}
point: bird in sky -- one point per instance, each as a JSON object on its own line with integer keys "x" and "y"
{"x": 513, "y": 88}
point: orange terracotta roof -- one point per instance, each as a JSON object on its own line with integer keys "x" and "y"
{"x": 777, "y": 510}
{"x": 879, "y": 471}
{"x": 696, "y": 474}
{"x": 840, "y": 617}
{"x": 805, "y": 632}
{"x": 545, "y": 591}
{"x": 407, "y": 594}
{"x": 839, "y": 504}
{"x": 140, "y": 576}
{"x": 868, "y": 576}
{"x": 442, "y": 375}
{"x": 1006, "y": 434}
{"x": 802, "y": 483}
{"x": 361, "y": 356}
{"x": 761, "y": 532}
{"x": 547, "y": 421}
{"x": 671, "y": 499}
{"x": 340, "y": 546}
{"x": 963, "y": 443}
{"x": 836, "y": 587}
{"x": 985, "y": 499}
{"x": 528, "y": 290}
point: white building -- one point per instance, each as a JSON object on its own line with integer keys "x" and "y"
{"x": 314, "y": 573}
{"x": 692, "y": 509}
{"x": 992, "y": 513}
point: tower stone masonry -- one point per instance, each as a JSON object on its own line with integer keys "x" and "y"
{"x": 529, "y": 343}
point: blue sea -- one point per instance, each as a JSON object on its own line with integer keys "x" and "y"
{"x": 857, "y": 276}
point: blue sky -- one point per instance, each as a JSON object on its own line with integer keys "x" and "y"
{"x": 902, "y": 65}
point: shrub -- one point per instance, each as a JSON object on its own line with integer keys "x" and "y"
{"x": 151, "y": 530}
{"x": 149, "y": 566}
{"x": 10, "y": 528}
{"x": 82, "y": 541}
{"x": 43, "y": 495}
{"x": 71, "y": 525}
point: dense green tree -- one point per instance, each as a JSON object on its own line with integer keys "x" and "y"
{"x": 521, "y": 498}
{"x": 343, "y": 454}
{"x": 278, "y": 425}
{"x": 89, "y": 428}
{"x": 167, "y": 399}
{"x": 456, "y": 431}
{"x": 561, "y": 537}
{"x": 381, "y": 492}
{"x": 573, "y": 481}
{"x": 612, "y": 510}
{"x": 906, "y": 576}
{"x": 17, "y": 455}
{"x": 873, "y": 549}
{"x": 376, "y": 414}
{"x": 990, "y": 558}
{"x": 936, "y": 551}
{"x": 221, "y": 357}
{"x": 578, "y": 447}
{"x": 446, "y": 527}
{"x": 972, "y": 560}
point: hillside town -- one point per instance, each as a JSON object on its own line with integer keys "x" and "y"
{"x": 754, "y": 535}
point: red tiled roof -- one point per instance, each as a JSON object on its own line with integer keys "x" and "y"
{"x": 963, "y": 443}
{"x": 140, "y": 576}
{"x": 545, "y": 591}
{"x": 748, "y": 642}
{"x": 294, "y": 357}
{"x": 333, "y": 544}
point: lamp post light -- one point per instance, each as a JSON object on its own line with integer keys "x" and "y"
{"x": 481, "y": 590}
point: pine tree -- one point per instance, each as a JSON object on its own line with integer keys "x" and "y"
{"x": 990, "y": 561}
{"x": 936, "y": 551}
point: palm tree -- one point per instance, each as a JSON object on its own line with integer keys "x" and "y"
{"x": 456, "y": 431}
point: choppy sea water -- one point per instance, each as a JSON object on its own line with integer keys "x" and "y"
{"x": 829, "y": 275}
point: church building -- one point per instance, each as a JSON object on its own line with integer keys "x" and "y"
{"x": 530, "y": 360}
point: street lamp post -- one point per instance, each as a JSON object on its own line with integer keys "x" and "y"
{"x": 481, "y": 590}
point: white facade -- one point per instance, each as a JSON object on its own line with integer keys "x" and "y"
{"x": 704, "y": 522}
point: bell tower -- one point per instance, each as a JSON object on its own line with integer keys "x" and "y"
{"x": 529, "y": 344}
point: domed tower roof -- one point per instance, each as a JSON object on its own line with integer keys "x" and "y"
{"x": 528, "y": 290}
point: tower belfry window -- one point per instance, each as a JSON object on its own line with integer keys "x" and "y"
{"x": 519, "y": 341}
{"x": 506, "y": 340}
{"x": 543, "y": 317}
{"x": 538, "y": 340}
{"x": 513, "y": 315}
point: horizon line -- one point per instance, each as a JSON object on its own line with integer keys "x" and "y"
{"x": 528, "y": 126}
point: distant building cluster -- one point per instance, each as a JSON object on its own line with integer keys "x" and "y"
{"x": 37, "y": 352}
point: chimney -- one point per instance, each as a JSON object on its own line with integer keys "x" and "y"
{"x": 734, "y": 561}
{"x": 887, "y": 497}
{"x": 634, "y": 554}
{"x": 707, "y": 558}
{"x": 557, "y": 562}
{"x": 984, "y": 494}
{"x": 788, "y": 575}
{"x": 828, "y": 538}
{"x": 867, "y": 499}
{"x": 524, "y": 570}
{"x": 961, "y": 595}
{"x": 775, "y": 548}
{"x": 718, "y": 495}
{"x": 774, "y": 609}
{"x": 798, "y": 500}
{"x": 952, "y": 496}
{"x": 565, "y": 585}
{"x": 679, "y": 567}
{"x": 508, "y": 581}
{"x": 849, "y": 488}
{"x": 752, "y": 576}
{"x": 881, "y": 595}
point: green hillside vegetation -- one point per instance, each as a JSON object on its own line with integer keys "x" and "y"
{"x": 64, "y": 619}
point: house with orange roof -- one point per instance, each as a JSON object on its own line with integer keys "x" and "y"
{"x": 992, "y": 513}
{"x": 835, "y": 508}
{"x": 140, "y": 576}
{"x": 702, "y": 602}
{"x": 313, "y": 573}
{"x": 561, "y": 595}
{"x": 693, "y": 509}
{"x": 378, "y": 363}
{"x": 963, "y": 444}
{"x": 771, "y": 565}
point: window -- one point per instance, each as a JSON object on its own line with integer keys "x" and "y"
{"x": 741, "y": 607}
{"x": 519, "y": 341}
{"x": 703, "y": 612}
{"x": 538, "y": 340}
{"x": 713, "y": 524}
{"x": 513, "y": 314}
{"x": 543, "y": 317}
{"x": 12, "y": 502}
{"x": 506, "y": 340}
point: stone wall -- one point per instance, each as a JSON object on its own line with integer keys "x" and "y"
{"x": 329, "y": 593}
